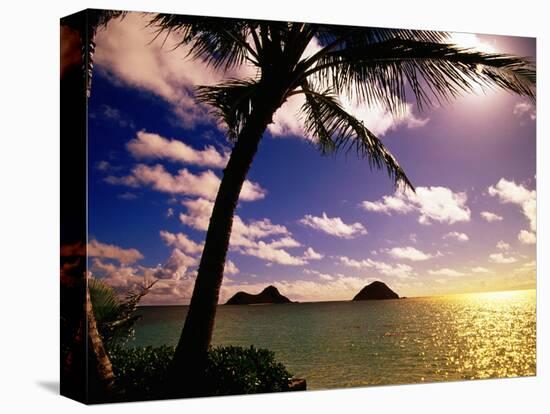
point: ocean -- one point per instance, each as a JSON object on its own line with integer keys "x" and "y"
{"x": 350, "y": 344}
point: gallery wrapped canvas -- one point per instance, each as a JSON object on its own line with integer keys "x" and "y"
{"x": 253, "y": 206}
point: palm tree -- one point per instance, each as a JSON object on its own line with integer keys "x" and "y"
{"x": 87, "y": 23}
{"x": 375, "y": 65}
{"x": 115, "y": 316}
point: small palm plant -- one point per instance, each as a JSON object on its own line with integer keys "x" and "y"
{"x": 375, "y": 66}
{"x": 115, "y": 317}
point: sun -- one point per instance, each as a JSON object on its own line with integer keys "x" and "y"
{"x": 470, "y": 40}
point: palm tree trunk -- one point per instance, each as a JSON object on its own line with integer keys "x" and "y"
{"x": 87, "y": 350}
{"x": 191, "y": 352}
{"x": 101, "y": 374}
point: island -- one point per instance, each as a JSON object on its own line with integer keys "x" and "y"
{"x": 269, "y": 295}
{"x": 376, "y": 291}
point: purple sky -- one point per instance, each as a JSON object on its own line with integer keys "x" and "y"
{"x": 317, "y": 227}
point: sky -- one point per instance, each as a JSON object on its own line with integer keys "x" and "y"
{"x": 316, "y": 227}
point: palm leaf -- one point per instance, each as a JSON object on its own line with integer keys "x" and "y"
{"x": 385, "y": 72}
{"x": 233, "y": 102}
{"x": 115, "y": 316}
{"x": 352, "y": 36}
{"x": 336, "y": 129}
{"x": 220, "y": 42}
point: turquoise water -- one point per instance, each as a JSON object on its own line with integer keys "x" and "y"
{"x": 348, "y": 344}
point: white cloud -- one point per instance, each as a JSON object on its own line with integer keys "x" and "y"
{"x": 311, "y": 254}
{"x": 182, "y": 242}
{"x": 490, "y": 217}
{"x": 127, "y": 54}
{"x": 322, "y": 276}
{"x": 267, "y": 251}
{"x": 399, "y": 270}
{"x": 432, "y": 203}
{"x": 325, "y": 276}
{"x": 501, "y": 258}
{"x": 174, "y": 278}
{"x": 379, "y": 120}
{"x": 512, "y": 193}
{"x": 525, "y": 109}
{"x": 480, "y": 269}
{"x": 527, "y": 237}
{"x": 110, "y": 251}
{"x": 119, "y": 277}
{"x": 502, "y": 245}
{"x": 287, "y": 119}
{"x": 462, "y": 237}
{"x": 333, "y": 226}
{"x": 245, "y": 234}
{"x": 445, "y": 272}
{"x": 204, "y": 184}
{"x": 124, "y": 276}
{"x": 230, "y": 268}
{"x": 440, "y": 204}
{"x": 167, "y": 290}
{"x": 198, "y": 213}
{"x": 282, "y": 242}
{"x": 358, "y": 264}
{"x": 246, "y": 237}
{"x": 409, "y": 253}
{"x": 177, "y": 266}
{"x": 147, "y": 145}
{"x": 389, "y": 204}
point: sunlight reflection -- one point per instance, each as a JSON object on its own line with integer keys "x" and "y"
{"x": 496, "y": 345}
{"x": 470, "y": 40}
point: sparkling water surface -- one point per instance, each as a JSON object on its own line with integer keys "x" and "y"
{"x": 348, "y": 344}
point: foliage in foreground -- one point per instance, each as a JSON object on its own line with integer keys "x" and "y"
{"x": 141, "y": 373}
{"x": 115, "y": 316}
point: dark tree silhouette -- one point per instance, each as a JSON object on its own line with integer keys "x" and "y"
{"x": 84, "y": 349}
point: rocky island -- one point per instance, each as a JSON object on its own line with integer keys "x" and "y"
{"x": 269, "y": 295}
{"x": 376, "y": 291}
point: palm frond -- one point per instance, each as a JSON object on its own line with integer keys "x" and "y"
{"x": 233, "y": 102}
{"x": 104, "y": 299}
{"x": 98, "y": 19}
{"x": 335, "y": 37}
{"x": 384, "y": 72}
{"x": 220, "y": 42}
{"x": 115, "y": 316}
{"x": 335, "y": 129}
{"x": 352, "y": 36}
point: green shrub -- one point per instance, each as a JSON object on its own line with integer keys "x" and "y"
{"x": 141, "y": 373}
{"x": 236, "y": 370}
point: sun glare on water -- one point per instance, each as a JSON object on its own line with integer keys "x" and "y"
{"x": 499, "y": 331}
